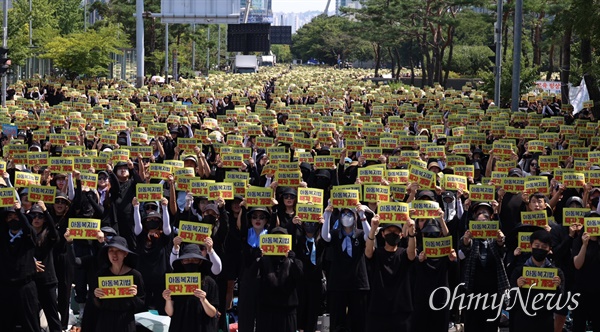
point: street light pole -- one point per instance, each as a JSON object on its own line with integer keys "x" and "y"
{"x": 5, "y": 45}
{"x": 166, "y": 52}
{"x": 498, "y": 34}
{"x": 516, "y": 77}
{"x": 139, "y": 42}
{"x": 208, "y": 52}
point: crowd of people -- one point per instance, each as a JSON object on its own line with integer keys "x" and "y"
{"x": 353, "y": 267}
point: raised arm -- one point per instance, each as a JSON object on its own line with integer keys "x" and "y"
{"x": 165, "y": 216}
{"x": 137, "y": 220}
{"x": 325, "y": 229}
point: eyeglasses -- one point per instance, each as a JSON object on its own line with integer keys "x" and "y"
{"x": 37, "y": 215}
{"x": 288, "y": 196}
{"x": 259, "y": 216}
{"x": 61, "y": 201}
{"x": 150, "y": 207}
{"x": 102, "y": 178}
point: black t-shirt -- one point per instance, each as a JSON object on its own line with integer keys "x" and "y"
{"x": 188, "y": 313}
{"x": 586, "y": 278}
{"x": 152, "y": 260}
{"x": 347, "y": 273}
{"x": 391, "y": 290}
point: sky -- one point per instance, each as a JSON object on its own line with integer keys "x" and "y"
{"x": 298, "y": 6}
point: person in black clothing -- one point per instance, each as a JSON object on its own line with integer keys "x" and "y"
{"x": 153, "y": 236}
{"x": 233, "y": 249}
{"x": 348, "y": 283}
{"x": 543, "y": 320}
{"x": 18, "y": 294}
{"x": 89, "y": 208}
{"x": 252, "y": 225}
{"x": 391, "y": 293}
{"x": 89, "y": 263}
{"x": 46, "y": 281}
{"x": 309, "y": 250}
{"x": 279, "y": 279}
{"x": 122, "y": 191}
{"x": 586, "y": 258}
{"x": 430, "y": 274}
{"x": 484, "y": 274}
{"x": 193, "y": 312}
{"x": 117, "y": 315}
{"x": 61, "y": 213}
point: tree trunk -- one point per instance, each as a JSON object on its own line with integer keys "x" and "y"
{"x": 448, "y": 65}
{"x": 436, "y": 65}
{"x": 550, "y": 63}
{"x": 377, "y": 49}
{"x": 565, "y": 65}
{"x": 393, "y": 61}
{"x": 537, "y": 41}
{"x": 590, "y": 79}
{"x": 399, "y": 68}
{"x": 412, "y": 71}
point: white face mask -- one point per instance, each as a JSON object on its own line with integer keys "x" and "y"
{"x": 347, "y": 219}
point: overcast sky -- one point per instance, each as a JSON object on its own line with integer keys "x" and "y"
{"x": 298, "y": 6}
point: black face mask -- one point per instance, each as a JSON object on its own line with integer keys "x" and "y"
{"x": 15, "y": 224}
{"x": 310, "y": 227}
{"x": 392, "y": 239}
{"x": 152, "y": 224}
{"x": 191, "y": 267}
{"x": 539, "y": 254}
{"x": 209, "y": 219}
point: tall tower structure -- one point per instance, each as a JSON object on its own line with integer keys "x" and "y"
{"x": 260, "y": 11}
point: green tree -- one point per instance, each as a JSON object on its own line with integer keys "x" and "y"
{"x": 469, "y": 60}
{"x": 44, "y": 27}
{"x": 325, "y": 38}
{"x": 70, "y": 16}
{"x": 85, "y": 53}
{"x": 528, "y": 77}
{"x": 283, "y": 53}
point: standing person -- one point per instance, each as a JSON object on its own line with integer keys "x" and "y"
{"x": 89, "y": 263}
{"x": 586, "y": 258}
{"x": 391, "y": 293}
{"x": 278, "y": 300}
{"x": 484, "y": 274}
{"x": 348, "y": 283}
{"x": 541, "y": 242}
{"x": 46, "y": 281}
{"x": 61, "y": 213}
{"x": 152, "y": 236}
{"x": 259, "y": 218}
{"x": 18, "y": 294}
{"x": 311, "y": 291}
{"x": 196, "y": 312}
{"x": 117, "y": 315}
{"x": 122, "y": 190}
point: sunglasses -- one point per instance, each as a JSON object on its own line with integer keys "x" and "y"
{"x": 102, "y": 178}
{"x": 61, "y": 201}
{"x": 37, "y": 215}
{"x": 259, "y": 216}
{"x": 150, "y": 207}
{"x": 288, "y": 196}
